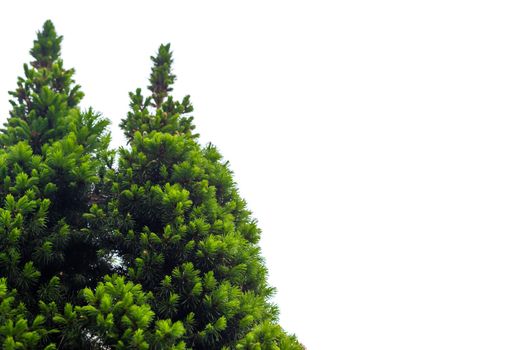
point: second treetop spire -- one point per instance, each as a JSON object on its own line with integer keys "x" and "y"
{"x": 46, "y": 48}
{"x": 161, "y": 77}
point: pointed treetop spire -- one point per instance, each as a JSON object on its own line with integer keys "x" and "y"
{"x": 45, "y": 97}
{"x": 46, "y": 48}
{"x": 161, "y": 77}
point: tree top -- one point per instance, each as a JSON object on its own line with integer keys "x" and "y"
{"x": 46, "y": 47}
{"x": 161, "y": 77}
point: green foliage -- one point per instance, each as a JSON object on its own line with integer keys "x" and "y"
{"x": 159, "y": 252}
{"x": 44, "y": 99}
{"x": 117, "y": 315}
{"x": 185, "y": 234}
{"x": 161, "y": 77}
{"x": 52, "y": 159}
{"x": 19, "y": 329}
{"x": 267, "y": 336}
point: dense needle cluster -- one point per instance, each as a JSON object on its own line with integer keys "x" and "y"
{"x": 155, "y": 250}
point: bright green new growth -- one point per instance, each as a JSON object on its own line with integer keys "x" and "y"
{"x": 159, "y": 252}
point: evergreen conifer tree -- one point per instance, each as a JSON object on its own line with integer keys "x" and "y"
{"x": 157, "y": 253}
{"x": 185, "y": 233}
{"x": 51, "y": 159}
{"x": 45, "y": 177}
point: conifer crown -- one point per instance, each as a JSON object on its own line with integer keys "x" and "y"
{"x": 156, "y": 252}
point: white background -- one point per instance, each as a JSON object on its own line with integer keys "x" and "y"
{"x": 379, "y": 143}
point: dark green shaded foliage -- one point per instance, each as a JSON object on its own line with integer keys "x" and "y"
{"x": 19, "y": 329}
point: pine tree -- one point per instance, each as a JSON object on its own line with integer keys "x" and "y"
{"x": 158, "y": 253}
{"x": 50, "y": 162}
{"x": 185, "y": 233}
